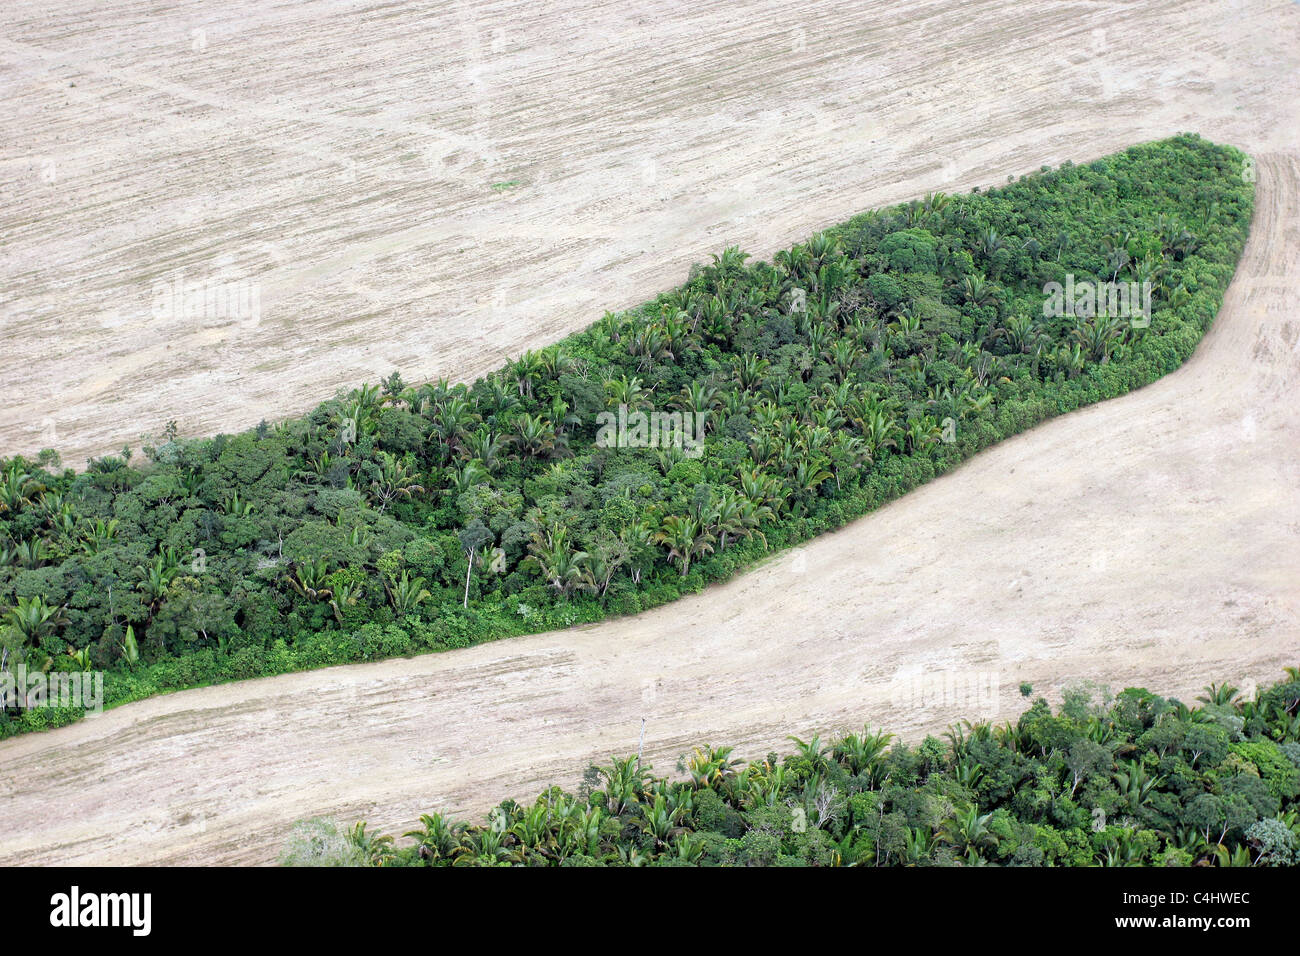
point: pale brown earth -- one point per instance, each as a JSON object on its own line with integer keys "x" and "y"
{"x": 1151, "y": 540}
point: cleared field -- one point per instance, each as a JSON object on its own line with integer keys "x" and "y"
{"x": 1154, "y": 539}
{"x": 339, "y": 157}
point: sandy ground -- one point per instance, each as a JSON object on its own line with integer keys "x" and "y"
{"x": 337, "y": 158}
{"x": 1154, "y": 539}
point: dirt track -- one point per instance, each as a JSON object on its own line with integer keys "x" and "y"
{"x": 1154, "y": 539}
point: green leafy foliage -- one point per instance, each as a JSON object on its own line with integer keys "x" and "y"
{"x": 1083, "y": 787}
{"x": 401, "y": 519}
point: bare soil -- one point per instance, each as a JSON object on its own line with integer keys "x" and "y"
{"x": 342, "y": 156}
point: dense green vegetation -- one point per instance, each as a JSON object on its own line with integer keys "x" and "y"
{"x": 1132, "y": 781}
{"x": 397, "y": 519}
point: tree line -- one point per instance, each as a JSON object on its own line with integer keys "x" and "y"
{"x": 400, "y": 518}
{"x": 1130, "y": 780}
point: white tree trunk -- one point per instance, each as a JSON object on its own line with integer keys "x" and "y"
{"x": 468, "y": 570}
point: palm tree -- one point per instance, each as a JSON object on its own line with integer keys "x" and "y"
{"x": 393, "y": 481}
{"x": 32, "y": 554}
{"x": 1099, "y": 337}
{"x": 485, "y": 847}
{"x": 525, "y": 371}
{"x": 624, "y": 784}
{"x": 677, "y": 333}
{"x": 716, "y": 320}
{"x": 18, "y": 489}
{"x": 848, "y": 454}
{"x": 487, "y": 447}
{"x": 611, "y": 324}
{"x": 1221, "y": 695}
{"x": 309, "y": 579}
{"x": 627, "y": 391}
{"x": 918, "y": 845}
{"x": 33, "y": 619}
{"x": 688, "y": 848}
{"x": 1136, "y": 785}
{"x": 499, "y": 397}
{"x": 765, "y": 784}
{"x": 1019, "y": 331}
{"x": 794, "y": 262}
{"x": 563, "y": 568}
{"x": 346, "y": 594}
{"x": 906, "y": 322}
{"x": 976, "y": 290}
{"x": 406, "y": 594}
{"x": 61, "y": 517}
{"x": 375, "y": 849}
{"x": 1071, "y": 359}
{"x": 555, "y": 361}
{"x": 767, "y": 415}
{"x": 968, "y": 830}
{"x": 752, "y": 516}
{"x": 98, "y": 535}
{"x": 991, "y": 242}
{"x": 862, "y": 752}
{"x": 728, "y": 517}
{"x": 465, "y": 477}
{"x": 366, "y": 396}
{"x": 806, "y": 478}
{"x": 562, "y": 417}
{"x": 662, "y": 824}
{"x": 1237, "y": 856}
{"x": 157, "y": 575}
{"x": 813, "y": 752}
{"x": 712, "y": 766}
{"x": 130, "y": 649}
{"x": 760, "y": 488}
{"x": 685, "y": 538}
{"x": 750, "y": 370}
{"x": 437, "y": 840}
{"x": 936, "y": 204}
{"x": 1116, "y": 249}
{"x": 731, "y": 262}
{"x": 824, "y": 248}
{"x": 451, "y": 423}
{"x": 878, "y": 427}
{"x": 650, "y": 344}
{"x": 321, "y": 466}
{"x": 920, "y": 432}
{"x": 236, "y": 507}
{"x": 843, "y": 354}
{"x": 1150, "y": 268}
{"x": 698, "y": 397}
{"x": 533, "y": 436}
{"x": 536, "y": 832}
